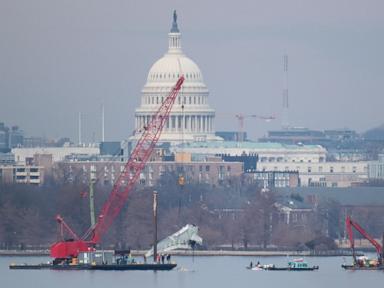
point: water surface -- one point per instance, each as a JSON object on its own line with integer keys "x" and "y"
{"x": 195, "y": 272}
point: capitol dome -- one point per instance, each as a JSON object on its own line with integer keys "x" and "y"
{"x": 191, "y": 118}
{"x": 169, "y": 68}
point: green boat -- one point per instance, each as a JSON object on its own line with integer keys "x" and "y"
{"x": 294, "y": 265}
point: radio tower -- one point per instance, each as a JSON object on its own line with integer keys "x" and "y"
{"x": 102, "y": 123}
{"x": 285, "y": 120}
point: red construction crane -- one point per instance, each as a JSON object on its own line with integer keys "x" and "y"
{"x": 241, "y": 118}
{"x": 349, "y": 223}
{"x": 123, "y": 185}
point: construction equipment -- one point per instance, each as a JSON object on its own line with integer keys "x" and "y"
{"x": 63, "y": 249}
{"x": 240, "y": 117}
{"x": 349, "y": 223}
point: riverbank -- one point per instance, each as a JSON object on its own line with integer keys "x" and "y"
{"x": 324, "y": 253}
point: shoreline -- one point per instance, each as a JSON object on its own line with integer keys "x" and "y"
{"x": 138, "y": 253}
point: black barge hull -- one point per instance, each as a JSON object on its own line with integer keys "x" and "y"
{"x": 358, "y": 268}
{"x": 135, "y": 266}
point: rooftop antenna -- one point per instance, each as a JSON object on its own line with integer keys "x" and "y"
{"x": 102, "y": 123}
{"x": 80, "y": 142}
{"x": 285, "y": 120}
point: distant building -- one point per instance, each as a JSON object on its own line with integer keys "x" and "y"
{"x": 266, "y": 152}
{"x": 3, "y": 140}
{"x": 232, "y": 135}
{"x": 34, "y": 142}
{"x": 249, "y": 161}
{"x": 211, "y": 171}
{"x": 294, "y": 212}
{"x": 376, "y": 169}
{"x": 7, "y": 159}
{"x": 341, "y": 135}
{"x": 22, "y": 174}
{"x": 272, "y": 179}
{"x": 322, "y": 174}
{"x": 327, "y": 138}
{"x": 58, "y": 153}
{"x": 10, "y": 137}
{"x": 295, "y": 136}
{"x": 110, "y": 148}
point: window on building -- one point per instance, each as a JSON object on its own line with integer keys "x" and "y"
{"x": 309, "y": 169}
{"x": 331, "y": 169}
{"x": 207, "y": 168}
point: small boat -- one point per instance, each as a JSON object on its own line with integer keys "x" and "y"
{"x": 294, "y": 265}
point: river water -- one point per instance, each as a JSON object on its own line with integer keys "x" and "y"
{"x": 216, "y": 271}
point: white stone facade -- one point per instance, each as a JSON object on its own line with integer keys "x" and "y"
{"x": 58, "y": 153}
{"x": 267, "y": 152}
{"x": 376, "y": 168}
{"x": 191, "y": 118}
{"x": 322, "y": 174}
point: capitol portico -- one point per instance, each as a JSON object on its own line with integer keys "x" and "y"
{"x": 191, "y": 118}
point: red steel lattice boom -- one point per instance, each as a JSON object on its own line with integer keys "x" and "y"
{"x": 123, "y": 185}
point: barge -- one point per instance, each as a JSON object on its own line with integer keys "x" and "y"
{"x": 364, "y": 263}
{"x": 119, "y": 267}
{"x": 99, "y": 260}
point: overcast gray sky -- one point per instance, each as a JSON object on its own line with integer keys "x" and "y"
{"x": 59, "y": 57}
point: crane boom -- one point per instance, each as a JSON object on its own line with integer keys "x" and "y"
{"x": 124, "y": 183}
{"x": 132, "y": 169}
{"x": 349, "y": 224}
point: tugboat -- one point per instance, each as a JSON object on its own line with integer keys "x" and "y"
{"x": 294, "y": 265}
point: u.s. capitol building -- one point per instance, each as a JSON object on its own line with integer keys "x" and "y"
{"x": 191, "y": 118}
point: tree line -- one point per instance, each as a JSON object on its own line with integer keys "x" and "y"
{"x": 234, "y": 215}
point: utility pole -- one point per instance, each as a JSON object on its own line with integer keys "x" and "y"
{"x": 285, "y": 118}
{"x": 155, "y": 226}
{"x": 92, "y": 180}
{"x": 102, "y": 123}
